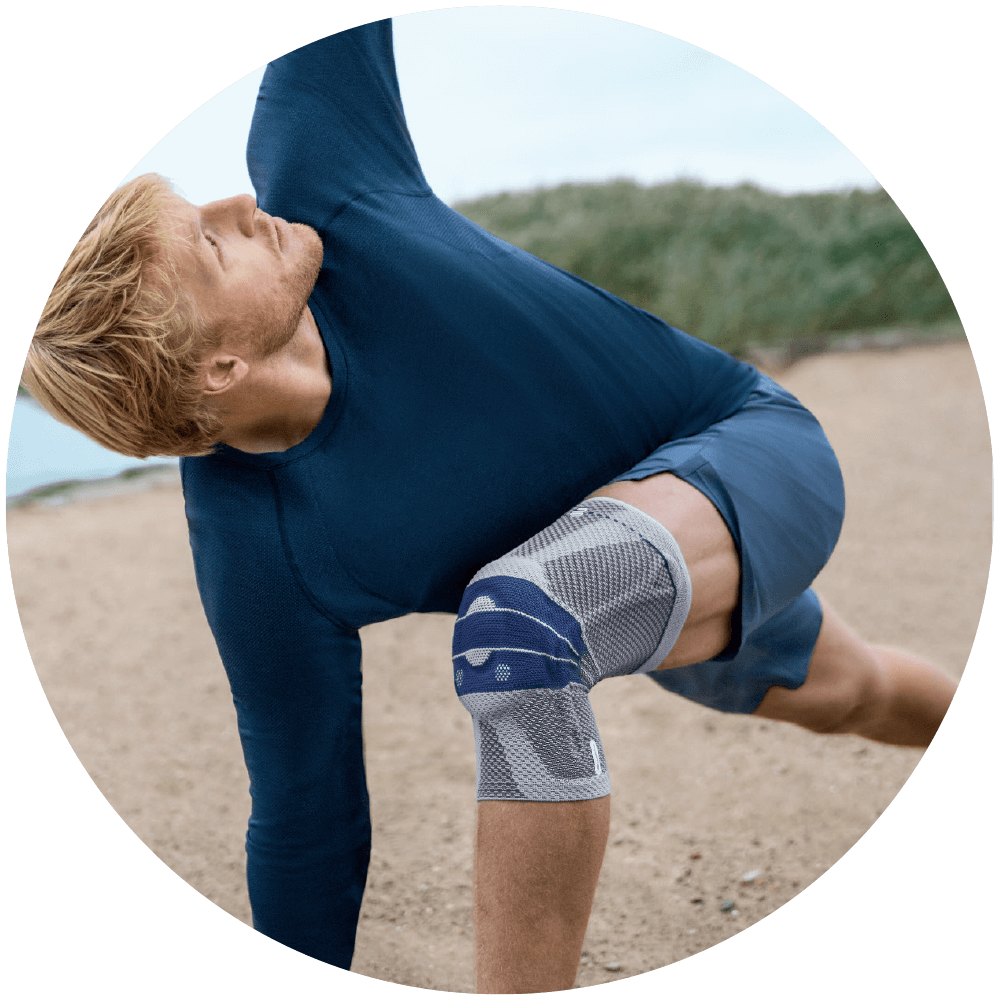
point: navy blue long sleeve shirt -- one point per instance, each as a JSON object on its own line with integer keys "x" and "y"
{"x": 478, "y": 393}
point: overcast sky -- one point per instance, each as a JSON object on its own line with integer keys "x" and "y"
{"x": 511, "y": 98}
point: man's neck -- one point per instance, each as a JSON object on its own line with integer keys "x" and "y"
{"x": 283, "y": 398}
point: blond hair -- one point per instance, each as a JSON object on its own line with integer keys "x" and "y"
{"x": 118, "y": 351}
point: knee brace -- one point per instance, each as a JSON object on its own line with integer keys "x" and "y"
{"x": 601, "y": 592}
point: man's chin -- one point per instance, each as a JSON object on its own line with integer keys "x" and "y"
{"x": 310, "y": 240}
{"x": 311, "y": 261}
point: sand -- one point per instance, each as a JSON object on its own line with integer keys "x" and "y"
{"x": 107, "y": 598}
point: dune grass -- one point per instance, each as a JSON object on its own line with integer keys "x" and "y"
{"x": 739, "y": 267}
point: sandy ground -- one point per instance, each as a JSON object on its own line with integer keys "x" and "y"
{"x": 108, "y": 602}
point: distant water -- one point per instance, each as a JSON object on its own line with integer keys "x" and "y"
{"x": 43, "y": 451}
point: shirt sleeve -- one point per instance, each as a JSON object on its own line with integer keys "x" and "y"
{"x": 295, "y": 676}
{"x": 329, "y": 126}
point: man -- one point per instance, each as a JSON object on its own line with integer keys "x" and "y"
{"x": 378, "y": 404}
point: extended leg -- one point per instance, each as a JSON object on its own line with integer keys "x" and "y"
{"x": 853, "y": 686}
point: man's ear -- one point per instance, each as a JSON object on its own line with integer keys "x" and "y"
{"x": 223, "y": 372}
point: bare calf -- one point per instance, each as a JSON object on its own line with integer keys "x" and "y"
{"x": 853, "y": 686}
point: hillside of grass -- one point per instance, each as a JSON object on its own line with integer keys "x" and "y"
{"x": 735, "y": 266}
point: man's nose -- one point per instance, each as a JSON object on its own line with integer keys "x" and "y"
{"x": 238, "y": 212}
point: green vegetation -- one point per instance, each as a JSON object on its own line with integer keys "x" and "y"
{"x": 734, "y": 266}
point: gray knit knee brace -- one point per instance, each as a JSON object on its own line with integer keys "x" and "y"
{"x": 601, "y": 592}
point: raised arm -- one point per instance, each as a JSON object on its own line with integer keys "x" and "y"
{"x": 329, "y": 125}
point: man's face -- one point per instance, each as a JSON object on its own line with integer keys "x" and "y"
{"x": 248, "y": 273}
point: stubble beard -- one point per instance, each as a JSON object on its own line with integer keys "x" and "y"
{"x": 275, "y": 333}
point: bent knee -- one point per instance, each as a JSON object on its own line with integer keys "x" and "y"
{"x": 838, "y": 696}
{"x": 603, "y": 591}
{"x": 835, "y": 710}
{"x": 843, "y": 712}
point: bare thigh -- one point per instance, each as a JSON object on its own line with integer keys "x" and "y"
{"x": 709, "y": 553}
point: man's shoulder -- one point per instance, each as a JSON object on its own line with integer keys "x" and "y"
{"x": 213, "y": 482}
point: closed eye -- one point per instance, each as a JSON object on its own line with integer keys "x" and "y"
{"x": 215, "y": 246}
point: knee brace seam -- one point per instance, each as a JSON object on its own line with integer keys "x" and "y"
{"x": 678, "y": 573}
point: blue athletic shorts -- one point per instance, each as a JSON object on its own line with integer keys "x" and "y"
{"x": 772, "y": 475}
